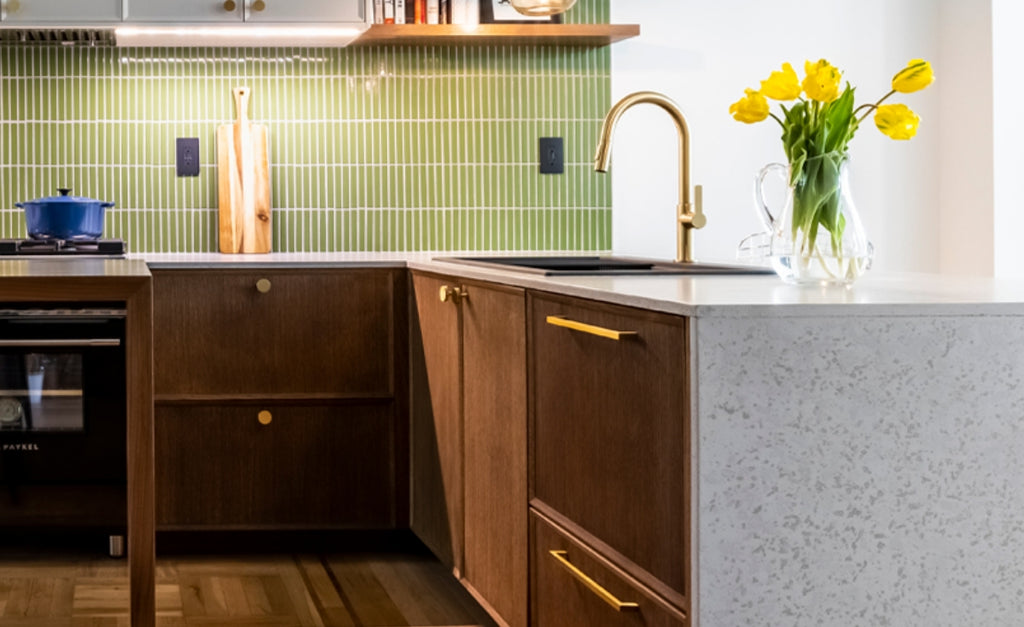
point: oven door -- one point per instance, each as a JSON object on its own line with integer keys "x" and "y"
{"x": 62, "y": 398}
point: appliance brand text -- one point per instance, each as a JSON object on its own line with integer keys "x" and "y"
{"x": 27, "y": 446}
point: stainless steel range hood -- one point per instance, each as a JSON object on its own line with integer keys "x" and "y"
{"x": 247, "y": 35}
{"x": 157, "y": 35}
{"x": 62, "y": 36}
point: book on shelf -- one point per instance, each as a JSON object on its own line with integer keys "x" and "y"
{"x": 389, "y": 11}
{"x": 378, "y": 11}
{"x": 399, "y": 11}
{"x": 433, "y": 11}
{"x": 465, "y": 11}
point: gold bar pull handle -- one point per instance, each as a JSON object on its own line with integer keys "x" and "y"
{"x": 596, "y": 588}
{"x": 562, "y": 321}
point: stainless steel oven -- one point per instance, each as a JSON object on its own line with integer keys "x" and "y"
{"x": 63, "y": 416}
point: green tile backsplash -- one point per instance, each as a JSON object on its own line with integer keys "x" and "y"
{"x": 371, "y": 149}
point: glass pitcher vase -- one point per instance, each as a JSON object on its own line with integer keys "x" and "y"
{"x": 818, "y": 237}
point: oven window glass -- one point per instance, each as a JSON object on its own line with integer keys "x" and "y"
{"x": 41, "y": 392}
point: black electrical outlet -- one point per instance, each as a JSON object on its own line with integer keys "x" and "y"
{"x": 188, "y": 156}
{"x": 551, "y": 155}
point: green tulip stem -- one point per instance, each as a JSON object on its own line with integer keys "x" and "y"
{"x": 871, "y": 107}
{"x": 778, "y": 120}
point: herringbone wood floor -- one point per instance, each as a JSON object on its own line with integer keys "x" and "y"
{"x": 304, "y": 590}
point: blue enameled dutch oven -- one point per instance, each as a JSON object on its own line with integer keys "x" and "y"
{"x": 64, "y": 217}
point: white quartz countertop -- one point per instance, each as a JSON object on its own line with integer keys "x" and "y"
{"x": 875, "y": 294}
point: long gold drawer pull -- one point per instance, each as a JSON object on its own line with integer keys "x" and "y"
{"x": 596, "y": 588}
{"x": 562, "y": 321}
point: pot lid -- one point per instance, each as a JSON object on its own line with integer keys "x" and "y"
{"x": 65, "y": 197}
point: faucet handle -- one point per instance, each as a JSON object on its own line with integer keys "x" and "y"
{"x": 696, "y": 219}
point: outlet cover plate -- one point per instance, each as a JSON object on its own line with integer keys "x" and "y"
{"x": 551, "y": 157}
{"x": 187, "y": 162}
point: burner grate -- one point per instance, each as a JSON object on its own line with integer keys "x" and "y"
{"x": 42, "y": 247}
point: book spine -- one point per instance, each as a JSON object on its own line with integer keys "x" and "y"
{"x": 443, "y": 14}
{"x": 378, "y": 11}
{"x": 389, "y": 11}
{"x": 433, "y": 11}
{"x": 399, "y": 11}
{"x": 420, "y": 12}
{"x": 472, "y": 11}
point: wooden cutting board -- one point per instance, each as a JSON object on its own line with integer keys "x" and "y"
{"x": 243, "y": 182}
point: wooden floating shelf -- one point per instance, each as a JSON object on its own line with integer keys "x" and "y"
{"x": 497, "y": 34}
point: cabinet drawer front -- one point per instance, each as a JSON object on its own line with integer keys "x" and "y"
{"x": 274, "y": 332}
{"x": 275, "y": 466}
{"x": 609, "y": 428}
{"x": 571, "y": 587}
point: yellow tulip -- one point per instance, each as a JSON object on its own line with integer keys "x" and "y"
{"x": 782, "y": 85}
{"x": 822, "y": 81}
{"x": 897, "y": 121}
{"x": 751, "y": 108}
{"x": 916, "y": 76}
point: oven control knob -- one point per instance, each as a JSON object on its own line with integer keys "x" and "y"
{"x": 11, "y": 411}
{"x": 265, "y": 417}
{"x": 263, "y": 286}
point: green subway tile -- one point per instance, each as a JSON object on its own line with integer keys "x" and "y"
{"x": 381, "y": 148}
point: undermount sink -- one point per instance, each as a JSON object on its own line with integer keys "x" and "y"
{"x": 593, "y": 265}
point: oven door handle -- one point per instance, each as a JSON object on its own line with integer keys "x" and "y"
{"x": 85, "y": 342}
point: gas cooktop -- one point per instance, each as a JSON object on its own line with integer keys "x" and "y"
{"x": 62, "y": 248}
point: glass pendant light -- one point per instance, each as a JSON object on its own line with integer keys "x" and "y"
{"x": 538, "y": 8}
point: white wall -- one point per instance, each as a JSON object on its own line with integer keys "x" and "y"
{"x": 1008, "y": 140}
{"x": 702, "y": 54}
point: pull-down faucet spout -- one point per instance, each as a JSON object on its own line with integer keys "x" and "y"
{"x": 689, "y": 214}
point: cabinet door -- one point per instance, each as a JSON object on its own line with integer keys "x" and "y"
{"x": 437, "y": 492}
{"x": 267, "y": 332}
{"x": 609, "y": 430}
{"x": 304, "y": 11}
{"x": 184, "y": 11}
{"x": 494, "y": 422}
{"x": 320, "y": 466}
{"x": 63, "y": 11}
{"x": 562, "y": 598}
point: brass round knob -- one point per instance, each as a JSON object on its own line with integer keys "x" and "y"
{"x": 13, "y": 6}
{"x": 230, "y": 6}
{"x": 259, "y": 5}
{"x": 263, "y": 286}
{"x": 446, "y": 293}
{"x": 265, "y": 417}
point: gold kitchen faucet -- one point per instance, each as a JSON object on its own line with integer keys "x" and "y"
{"x": 689, "y": 214}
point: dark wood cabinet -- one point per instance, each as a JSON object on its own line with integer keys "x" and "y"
{"x": 275, "y": 466}
{"x": 323, "y": 353}
{"x": 494, "y": 392}
{"x": 270, "y": 332}
{"x": 437, "y": 493}
{"x": 469, "y": 436}
{"x": 574, "y": 586}
{"x": 609, "y": 433}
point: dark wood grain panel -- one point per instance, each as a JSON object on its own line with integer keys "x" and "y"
{"x": 436, "y": 514}
{"x": 494, "y": 393}
{"x": 561, "y": 600}
{"x": 129, "y": 282}
{"x": 311, "y": 466}
{"x": 315, "y": 330}
{"x": 610, "y": 433}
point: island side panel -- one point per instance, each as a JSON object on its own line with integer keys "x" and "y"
{"x": 860, "y": 470}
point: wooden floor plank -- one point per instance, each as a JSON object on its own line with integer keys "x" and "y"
{"x": 426, "y": 592}
{"x": 370, "y": 602}
{"x": 301, "y": 598}
{"x": 378, "y": 590}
